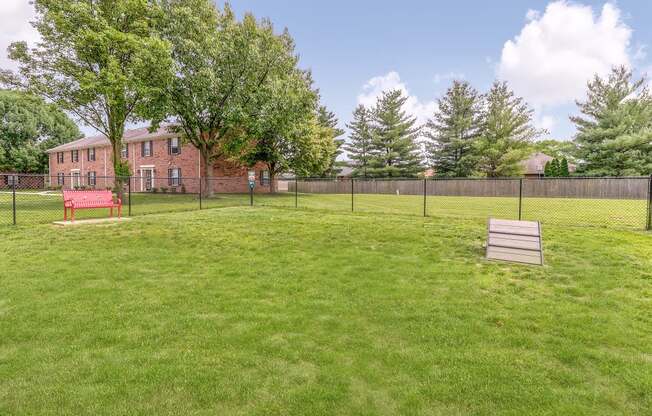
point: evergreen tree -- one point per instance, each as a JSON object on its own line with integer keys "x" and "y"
{"x": 506, "y": 133}
{"x": 615, "y": 130}
{"x": 554, "y": 168}
{"x": 563, "y": 168}
{"x": 547, "y": 170}
{"x": 359, "y": 147}
{"x": 395, "y": 152}
{"x": 328, "y": 120}
{"x": 452, "y": 131}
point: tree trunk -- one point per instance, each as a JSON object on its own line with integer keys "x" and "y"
{"x": 207, "y": 174}
{"x": 273, "y": 188}
{"x": 116, "y": 148}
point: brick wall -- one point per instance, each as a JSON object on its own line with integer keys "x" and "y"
{"x": 228, "y": 177}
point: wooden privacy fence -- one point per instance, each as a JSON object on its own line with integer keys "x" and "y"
{"x": 636, "y": 188}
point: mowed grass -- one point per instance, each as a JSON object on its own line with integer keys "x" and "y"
{"x": 267, "y": 311}
{"x": 35, "y": 208}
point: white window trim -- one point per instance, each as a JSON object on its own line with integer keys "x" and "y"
{"x": 142, "y": 177}
{"x": 72, "y": 178}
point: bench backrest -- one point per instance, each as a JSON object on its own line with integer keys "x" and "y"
{"x": 88, "y": 197}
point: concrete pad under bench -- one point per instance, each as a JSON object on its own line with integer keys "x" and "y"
{"x": 515, "y": 241}
{"x": 92, "y": 221}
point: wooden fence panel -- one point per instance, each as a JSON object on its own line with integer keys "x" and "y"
{"x": 581, "y": 188}
{"x": 586, "y": 188}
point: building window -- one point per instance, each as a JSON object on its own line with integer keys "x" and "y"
{"x": 264, "y": 177}
{"x": 91, "y": 179}
{"x": 59, "y": 157}
{"x": 125, "y": 151}
{"x": 61, "y": 179}
{"x": 90, "y": 154}
{"x": 74, "y": 155}
{"x": 174, "y": 146}
{"x": 174, "y": 177}
{"x": 146, "y": 149}
{"x": 11, "y": 180}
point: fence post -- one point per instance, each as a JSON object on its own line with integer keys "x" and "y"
{"x": 425, "y": 193}
{"x": 13, "y": 195}
{"x": 251, "y": 196}
{"x": 520, "y": 198}
{"x": 296, "y": 192}
{"x": 200, "y": 181}
{"x": 129, "y": 192}
{"x": 649, "y": 205}
{"x": 351, "y": 193}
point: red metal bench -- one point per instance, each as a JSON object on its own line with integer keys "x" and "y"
{"x": 88, "y": 199}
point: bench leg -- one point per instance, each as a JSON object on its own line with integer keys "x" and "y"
{"x": 119, "y": 211}
{"x": 65, "y": 214}
{"x": 111, "y": 209}
{"x": 72, "y": 214}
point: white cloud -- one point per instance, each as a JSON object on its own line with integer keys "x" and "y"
{"x": 558, "y": 51}
{"x": 15, "y": 16}
{"x": 532, "y": 14}
{"x": 449, "y": 76}
{"x": 373, "y": 89}
{"x": 544, "y": 121}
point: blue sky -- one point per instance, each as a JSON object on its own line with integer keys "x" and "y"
{"x": 348, "y": 43}
{"x": 546, "y": 50}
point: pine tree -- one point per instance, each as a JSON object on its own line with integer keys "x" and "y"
{"x": 395, "y": 152}
{"x": 506, "y": 133}
{"x": 547, "y": 170}
{"x": 563, "y": 168}
{"x": 328, "y": 120}
{"x": 554, "y": 168}
{"x": 359, "y": 147}
{"x": 451, "y": 132}
{"x": 615, "y": 130}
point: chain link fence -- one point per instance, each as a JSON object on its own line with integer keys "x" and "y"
{"x": 605, "y": 202}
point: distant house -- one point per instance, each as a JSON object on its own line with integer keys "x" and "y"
{"x": 533, "y": 167}
{"x": 345, "y": 172}
{"x": 8, "y": 180}
{"x": 156, "y": 159}
{"x": 428, "y": 173}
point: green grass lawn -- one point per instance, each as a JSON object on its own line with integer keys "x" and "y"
{"x": 269, "y": 311}
{"x": 34, "y": 208}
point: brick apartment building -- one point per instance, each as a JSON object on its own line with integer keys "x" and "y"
{"x": 157, "y": 160}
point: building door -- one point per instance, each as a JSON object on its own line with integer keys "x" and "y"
{"x": 147, "y": 180}
{"x": 75, "y": 181}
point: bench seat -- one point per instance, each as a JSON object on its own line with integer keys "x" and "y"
{"x": 88, "y": 199}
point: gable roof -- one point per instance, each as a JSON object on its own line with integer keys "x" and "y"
{"x": 131, "y": 135}
{"x": 536, "y": 163}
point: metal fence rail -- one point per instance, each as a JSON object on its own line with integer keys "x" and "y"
{"x": 605, "y": 202}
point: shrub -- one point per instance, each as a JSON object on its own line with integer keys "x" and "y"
{"x": 164, "y": 189}
{"x": 183, "y": 189}
{"x": 173, "y": 190}
{"x": 154, "y": 190}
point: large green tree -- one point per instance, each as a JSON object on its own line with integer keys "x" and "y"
{"x": 395, "y": 152}
{"x": 506, "y": 133}
{"x": 328, "y": 120}
{"x": 359, "y": 146}
{"x": 226, "y": 74}
{"x": 28, "y": 127}
{"x": 559, "y": 149}
{"x": 101, "y": 60}
{"x": 614, "y": 132}
{"x": 452, "y": 131}
{"x": 289, "y": 129}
